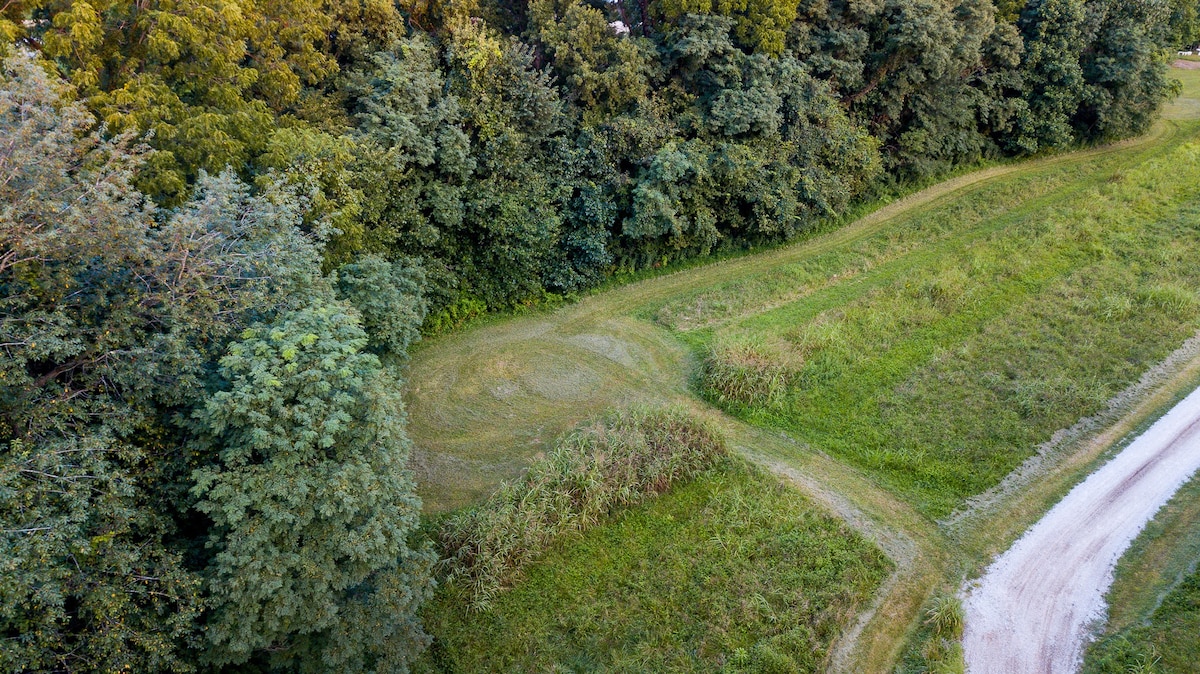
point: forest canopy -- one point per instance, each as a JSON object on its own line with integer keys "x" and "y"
{"x": 224, "y": 222}
{"x": 519, "y": 149}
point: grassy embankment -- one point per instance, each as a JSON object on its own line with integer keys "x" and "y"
{"x": 1154, "y": 604}
{"x": 928, "y": 348}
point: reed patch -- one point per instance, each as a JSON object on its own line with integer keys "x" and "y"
{"x": 611, "y": 463}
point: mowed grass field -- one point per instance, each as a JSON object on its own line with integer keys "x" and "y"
{"x": 892, "y": 368}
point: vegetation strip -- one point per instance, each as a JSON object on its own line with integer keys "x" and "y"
{"x": 1154, "y": 603}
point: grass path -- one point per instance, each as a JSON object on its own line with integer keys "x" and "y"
{"x": 485, "y": 402}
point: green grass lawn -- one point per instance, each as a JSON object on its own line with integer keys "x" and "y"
{"x": 732, "y": 571}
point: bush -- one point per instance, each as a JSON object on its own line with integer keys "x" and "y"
{"x": 453, "y": 316}
{"x": 611, "y": 463}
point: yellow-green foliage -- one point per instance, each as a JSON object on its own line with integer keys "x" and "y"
{"x": 760, "y": 24}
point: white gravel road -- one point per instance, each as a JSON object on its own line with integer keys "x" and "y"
{"x": 1033, "y": 609}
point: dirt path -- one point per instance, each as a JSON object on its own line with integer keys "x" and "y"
{"x": 1032, "y": 610}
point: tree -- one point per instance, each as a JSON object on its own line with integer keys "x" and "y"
{"x": 87, "y": 579}
{"x": 1183, "y": 24}
{"x": 310, "y": 502}
{"x": 106, "y": 320}
{"x": 759, "y": 25}
{"x": 113, "y": 315}
{"x": 769, "y": 150}
{"x": 1054, "y": 83}
{"x": 606, "y": 73}
{"x": 206, "y": 77}
{"x": 390, "y": 298}
{"x": 1124, "y": 68}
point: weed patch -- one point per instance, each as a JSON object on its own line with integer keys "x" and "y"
{"x": 748, "y": 374}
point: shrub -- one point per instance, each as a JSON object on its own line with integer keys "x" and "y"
{"x": 453, "y": 316}
{"x": 611, "y": 463}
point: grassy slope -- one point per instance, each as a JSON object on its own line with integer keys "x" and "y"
{"x": 484, "y": 402}
{"x": 730, "y": 569}
{"x": 1154, "y": 614}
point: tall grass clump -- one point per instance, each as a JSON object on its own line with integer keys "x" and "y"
{"x": 747, "y": 374}
{"x": 937, "y": 647}
{"x": 612, "y": 463}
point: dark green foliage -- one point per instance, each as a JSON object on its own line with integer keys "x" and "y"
{"x": 389, "y": 297}
{"x": 593, "y": 472}
{"x": 107, "y": 326}
{"x": 1053, "y": 32}
{"x": 765, "y": 149}
{"x": 1183, "y": 25}
{"x": 465, "y": 175}
{"x": 310, "y": 501}
{"x": 112, "y": 318}
{"x": 1123, "y": 68}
